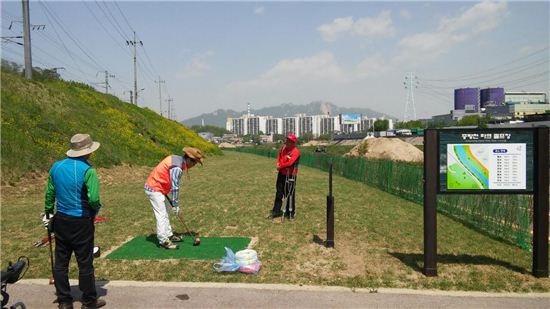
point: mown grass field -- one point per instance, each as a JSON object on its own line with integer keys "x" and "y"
{"x": 378, "y": 236}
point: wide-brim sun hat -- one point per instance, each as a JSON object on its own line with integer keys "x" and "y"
{"x": 81, "y": 145}
{"x": 194, "y": 153}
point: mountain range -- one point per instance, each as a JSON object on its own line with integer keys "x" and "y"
{"x": 219, "y": 117}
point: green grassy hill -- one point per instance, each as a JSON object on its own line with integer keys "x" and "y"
{"x": 39, "y": 118}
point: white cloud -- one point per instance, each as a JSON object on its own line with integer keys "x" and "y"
{"x": 198, "y": 65}
{"x": 482, "y": 17}
{"x": 371, "y": 27}
{"x": 259, "y": 10}
{"x": 405, "y": 14}
{"x": 371, "y": 66}
{"x": 319, "y": 68}
{"x": 330, "y": 32}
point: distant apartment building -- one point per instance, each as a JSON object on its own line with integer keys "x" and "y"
{"x": 300, "y": 124}
{"x": 238, "y": 126}
{"x": 252, "y": 125}
{"x": 305, "y": 125}
{"x": 290, "y": 125}
{"x": 326, "y": 125}
{"x": 273, "y": 126}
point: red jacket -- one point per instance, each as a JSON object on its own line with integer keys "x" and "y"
{"x": 286, "y": 158}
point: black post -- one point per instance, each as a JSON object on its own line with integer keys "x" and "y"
{"x": 430, "y": 202}
{"x": 329, "y": 243}
{"x": 540, "y": 205}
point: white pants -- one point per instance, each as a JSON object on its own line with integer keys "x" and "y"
{"x": 162, "y": 214}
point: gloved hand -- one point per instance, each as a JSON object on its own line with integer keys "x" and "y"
{"x": 46, "y": 219}
{"x": 176, "y": 210}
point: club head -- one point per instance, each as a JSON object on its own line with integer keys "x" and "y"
{"x": 97, "y": 252}
{"x": 52, "y": 281}
{"x": 197, "y": 242}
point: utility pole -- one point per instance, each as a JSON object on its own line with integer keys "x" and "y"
{"x": 411, "y": 82}
{"x": 134, "y": 43}
{"x": 27, "y": 39}
{"x": 170, "y": 111}
{"x": 107, "y": 75}
{"x": 160, "y": 94}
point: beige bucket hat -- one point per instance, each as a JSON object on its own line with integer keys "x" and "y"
{"x": 81, "y": 145}
{"x": 194, "y": 154}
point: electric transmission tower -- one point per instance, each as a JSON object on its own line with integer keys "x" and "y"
{"x": 134, "y": 43}
{"x": 410, "y": 83}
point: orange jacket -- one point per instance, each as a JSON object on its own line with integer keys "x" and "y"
{"x": 286, "y": 159}
{"x": 159, "y": 179}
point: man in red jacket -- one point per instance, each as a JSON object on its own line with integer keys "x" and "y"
{"x": 287, "y": 165}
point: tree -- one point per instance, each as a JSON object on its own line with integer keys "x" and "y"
{"x": 217, "y": 131}
{"x": 410, "y": 124}
{"x": 381, "y": 125}
{"x": 278, "y": 138}
{"x": 471, "y": 120}
{"x": 304, "y": 138}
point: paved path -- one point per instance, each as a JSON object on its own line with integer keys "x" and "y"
{"x": 36, "y": 293}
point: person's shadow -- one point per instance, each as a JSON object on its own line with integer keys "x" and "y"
{"x": 99, "y": 285}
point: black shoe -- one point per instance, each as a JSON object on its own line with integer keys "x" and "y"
{"x": 98, "y": 303}
{"x": 274, "y": 215}
{"x": 65, "y": 306}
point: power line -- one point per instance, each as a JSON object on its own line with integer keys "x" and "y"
{"x": 102, "y": 26}
{"x": 107, "y": 13}
{"x": 474, "y": 75}
{"x": 75, "y": 41}
{"x": 124, "y": 16}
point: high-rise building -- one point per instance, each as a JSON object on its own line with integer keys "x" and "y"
{"x": 272, "y": 126}
{"x": 238, "y": 126}
{"x": 252, "y": 125}
{"x": 290, "y": 126}
{"x": 305, "y": 125}
{"x": 326, "y": 125}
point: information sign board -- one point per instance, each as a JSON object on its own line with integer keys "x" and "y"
{"x": 486, "y": 161}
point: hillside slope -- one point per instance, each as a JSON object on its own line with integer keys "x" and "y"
{"x": 38, "y": 119}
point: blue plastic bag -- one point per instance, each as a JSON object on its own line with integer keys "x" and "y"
{"x": 227, "y": 263}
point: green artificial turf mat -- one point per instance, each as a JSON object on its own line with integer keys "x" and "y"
{"x": 147, "y": 248}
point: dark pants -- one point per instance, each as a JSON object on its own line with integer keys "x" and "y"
{"x": 76, "y": 235}
{"x": 285, "y": 187}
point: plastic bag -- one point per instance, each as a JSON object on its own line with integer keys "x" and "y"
{"x": 248, "y": 261}
{"x": 251, "y": 269}
{"x": 227, "y": 263}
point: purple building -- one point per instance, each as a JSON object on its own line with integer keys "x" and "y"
{"x": 492, "y": 97}
{"x": 467, "y": 99}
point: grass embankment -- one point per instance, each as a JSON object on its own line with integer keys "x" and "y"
{"x": 378, "y": 236}
{"x": 39, "y": 118}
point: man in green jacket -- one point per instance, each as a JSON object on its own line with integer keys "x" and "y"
{"x": 73, "y": 188}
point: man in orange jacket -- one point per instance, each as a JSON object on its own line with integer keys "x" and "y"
{"x": 164, "y": 179}
{"x": 287, "y": 165}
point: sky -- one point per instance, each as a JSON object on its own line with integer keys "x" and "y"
{"x": 223, "y": 55}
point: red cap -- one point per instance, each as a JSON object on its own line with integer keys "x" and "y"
{"x": 292, "y": 137}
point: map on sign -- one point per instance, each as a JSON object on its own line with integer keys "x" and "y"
{"x": 486, "y": 166}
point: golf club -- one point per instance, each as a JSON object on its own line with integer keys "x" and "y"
{"x": 197, "y": 240}
{"x": 52, "y": 280}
